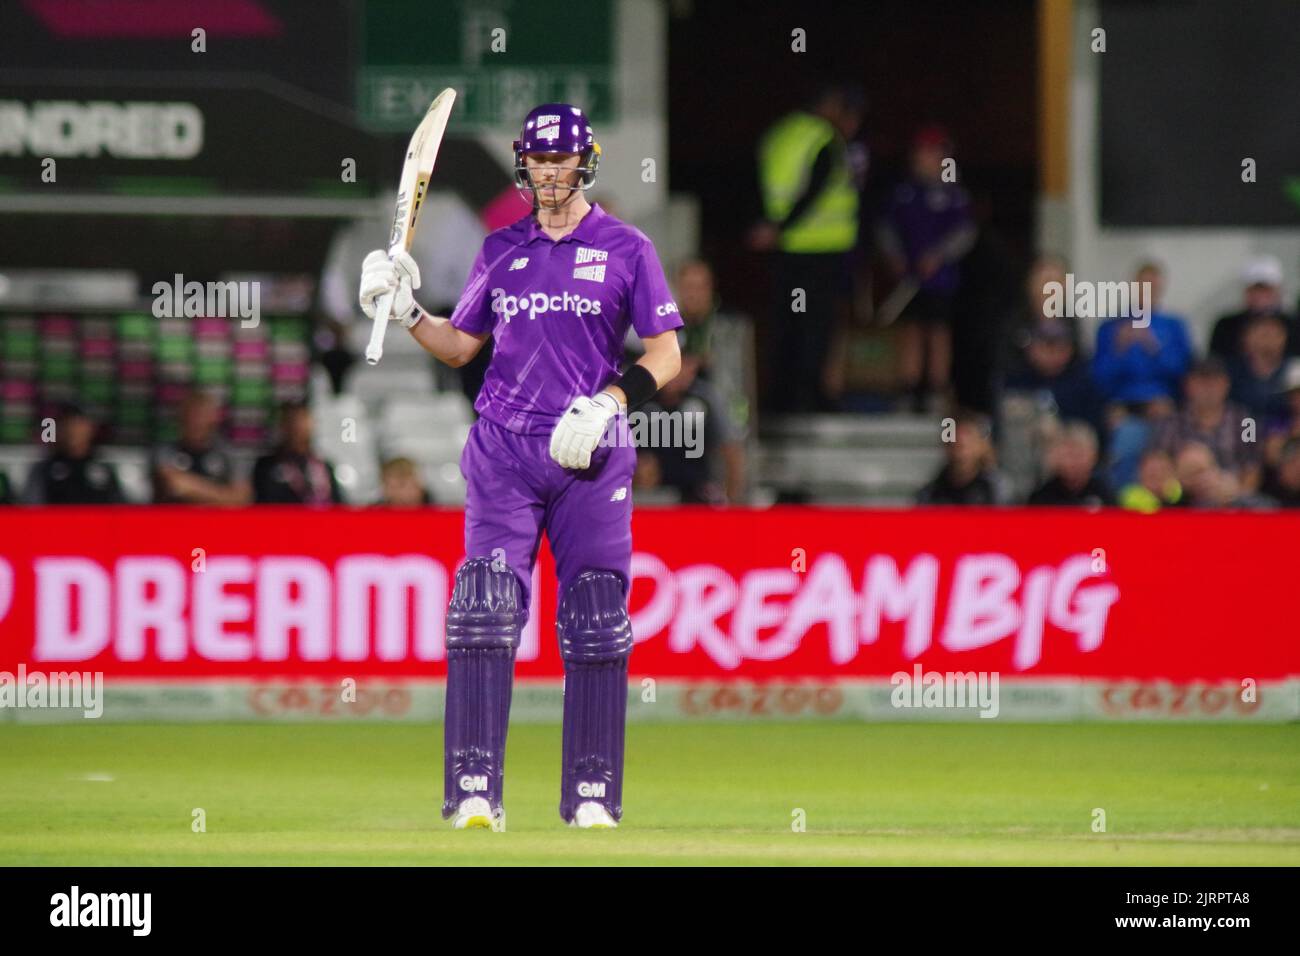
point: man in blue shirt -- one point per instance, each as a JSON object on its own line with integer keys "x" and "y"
{"x": 1135, "y": 364}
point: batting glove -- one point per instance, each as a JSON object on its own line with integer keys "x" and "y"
{"x": 580, "y": 428}
{"x": 381, "y": 275}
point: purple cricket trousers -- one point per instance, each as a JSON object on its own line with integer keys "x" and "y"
{"x": 516, "y": 491}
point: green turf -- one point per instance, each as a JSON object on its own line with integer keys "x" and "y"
{"x": 722, "y": 793}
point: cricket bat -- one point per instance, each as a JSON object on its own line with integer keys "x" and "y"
{"x": 897, "y": 301}
{"x": 421, "y": 154}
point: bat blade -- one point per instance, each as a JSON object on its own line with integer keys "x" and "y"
{"x": 417, "y": 170}
{"x": 897, "y": 301}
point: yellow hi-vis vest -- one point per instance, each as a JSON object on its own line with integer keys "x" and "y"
{"x": 785, "y": 160}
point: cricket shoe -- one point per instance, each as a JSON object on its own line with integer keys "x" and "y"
{"x": 592, "y": 816}
{"x": 475, "y": 813}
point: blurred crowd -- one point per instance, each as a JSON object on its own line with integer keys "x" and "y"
{"x": 1133, "y": 415}
{"x": 1139, "y": 420}
{"x": 199, "y": 468}
{"x": 1135, "y": 418}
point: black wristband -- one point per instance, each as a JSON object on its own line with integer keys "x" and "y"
{"x": 638, "y": 385}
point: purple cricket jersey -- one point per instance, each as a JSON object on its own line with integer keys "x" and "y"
{"x": 924, "y": 215}
{"x": 558, "y": 313}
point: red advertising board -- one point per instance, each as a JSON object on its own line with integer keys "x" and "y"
{"x": 782, "y": 593}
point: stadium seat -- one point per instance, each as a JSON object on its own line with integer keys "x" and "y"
{"x": 849, "y": 459}
{"x": 350, "y": 446}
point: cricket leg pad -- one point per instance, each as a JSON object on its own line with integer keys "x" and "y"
{"x": 595, "y": 643}
{"x": 484, "y": 619}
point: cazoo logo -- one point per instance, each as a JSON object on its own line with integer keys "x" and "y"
{"x": 539, "y": 303}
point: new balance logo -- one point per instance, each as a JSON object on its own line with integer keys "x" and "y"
{"x": 473, "y": 782}
{"x": 619, "y": 495}
{"x": 518, "y": 264}
{"x": 593, "y": 273}
{"x": 591, "y": 789}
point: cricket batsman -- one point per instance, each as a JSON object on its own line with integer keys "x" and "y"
{"x": 557, "y": 291}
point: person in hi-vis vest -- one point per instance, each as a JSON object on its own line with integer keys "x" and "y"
{"x": 810, "y": 206}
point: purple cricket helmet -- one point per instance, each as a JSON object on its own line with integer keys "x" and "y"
{"x": 557, "y": 128}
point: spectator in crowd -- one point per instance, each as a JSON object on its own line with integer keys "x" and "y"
{"x": 1262, "y": 278}
{"x": 1282, "y": 484}
{"x": 1257, "y": 371}
{"x": 1204, "y": 483}
{"x": 648, "y": 475}
{"x": 72, "y": 474}
{"x": 1209, "y": 419}
{"x": 198, "y": 468}
{"x": 1048, "y": 269}
{"x": 1139, "y": 364}
{"x": 697, "y": 303}
{"x": 686, "y": 446}
{"x": 1288, "y": 424}
{"x": 1050, "y": 367}
{"x": 1207, "y": 485}
{"x": 925, "y": 231}
{"x": 293, "y": 474}
{"x": 330, "y": 347}
{"x": 1157, "y": 485}
{"x": 810, "y": 184}
{"x": 1071, "y": 467}
{"x": 722, "y": 340}
{"x": 401, "y": 485}
{"x": 969, "y": 476}
{"x": 1139, "y": 361}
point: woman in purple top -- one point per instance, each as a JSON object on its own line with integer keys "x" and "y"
{"x": 557, "y": 291}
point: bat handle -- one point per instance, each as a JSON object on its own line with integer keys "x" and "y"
{"x": 375, "y": 348}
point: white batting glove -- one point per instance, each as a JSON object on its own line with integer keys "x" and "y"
{"x": 381, "y": 275}
{"x": 580, "y": 428}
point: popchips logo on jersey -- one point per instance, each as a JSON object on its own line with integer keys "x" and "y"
{"x": 539, "y": 303}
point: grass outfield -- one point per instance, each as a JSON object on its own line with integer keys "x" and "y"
{"x": 97, "y": 794}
